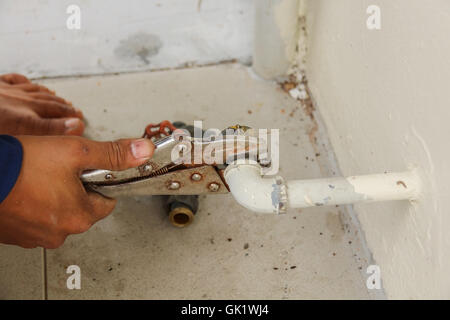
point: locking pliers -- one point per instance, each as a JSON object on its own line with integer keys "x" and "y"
{"x": 181, "y": 165}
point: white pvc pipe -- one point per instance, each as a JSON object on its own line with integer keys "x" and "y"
{"x": 273, "y": 195}
{"x": 252, "y": 191}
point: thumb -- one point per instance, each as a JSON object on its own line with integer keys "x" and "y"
{"x": 117, "y": 155}
{"x": 62, "y": 126}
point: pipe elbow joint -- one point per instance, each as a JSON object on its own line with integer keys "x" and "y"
{"x": 252, "y": 191}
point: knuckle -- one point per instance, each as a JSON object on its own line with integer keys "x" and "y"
{"x": 79, "y": 221}
{"x": 63, "y": 108}
{"x": 28, "y": 87}
{"x": 116, "y": 154}
{"x": 28, "y": 124}
{"x": 106, "y": 210}
{"x": 21, "y": 122}
{"x": 55, "y": 108}
{"x": 80, "y": 226}
{"x": 44, "y": 126}
{"x": 35, "y": 95}
{"x": 76, "y": 150}
{"x": 32, "y": 87}
{"x": 79, "y": 147}
{"x": 101, "y": 208}
{"x": 55, "y": 242}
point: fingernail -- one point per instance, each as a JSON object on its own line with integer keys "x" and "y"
{"x": 72, "y": 124}
{"x": 141, "y": 149}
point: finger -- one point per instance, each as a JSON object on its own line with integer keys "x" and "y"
{"x": 47, "y": 96}
{"x": 27, "y": 87}
{"x": 63, "y": 126}
{"x": 53, "y": 109}
{"x": 32, "y": 87}
{"x": 115, "y": 155}
{"x": 45, "y": 89}
{"x": 14, "y": 78}
{"x": 50, "y": 97}
{"x": 101, "y": 206}
{"x": 72, "y": 126}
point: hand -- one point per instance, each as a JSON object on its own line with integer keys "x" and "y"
{"x": 48, "y": 201}
{"x": 28, "y": 108}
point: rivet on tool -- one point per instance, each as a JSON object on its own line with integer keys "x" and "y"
{"x": 196, "y": 176}
{"x": 213, "y": 187}
{"x": 148, "y": 168}
{"x": 108, "y": 176}
{"x": 174, "y": 185}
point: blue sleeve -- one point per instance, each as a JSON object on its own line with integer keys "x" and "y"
{"x": 10, "y": 164}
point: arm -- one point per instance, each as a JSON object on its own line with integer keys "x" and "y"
{"x": 10, "y": 164}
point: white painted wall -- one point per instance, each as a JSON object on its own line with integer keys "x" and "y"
{"x": 384, "y": 96}
{"x": 276, "y": 36}
{"x": 120, "y": 36}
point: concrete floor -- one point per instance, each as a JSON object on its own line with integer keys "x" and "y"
{"x": 135, "y": 253}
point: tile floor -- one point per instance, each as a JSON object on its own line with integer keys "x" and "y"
{"x": 135, "y": 253}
